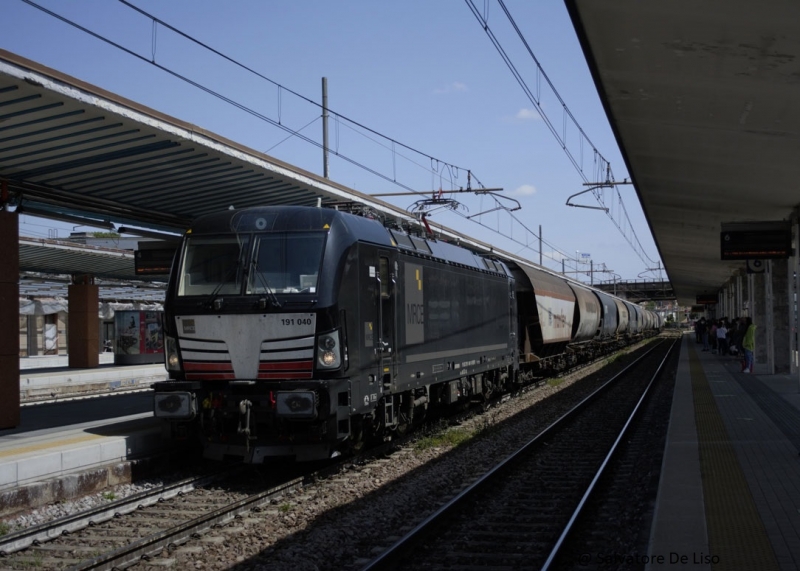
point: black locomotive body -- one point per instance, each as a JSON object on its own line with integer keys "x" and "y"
{"x": 291, "y": 331}
{"x": 296, "y": 331}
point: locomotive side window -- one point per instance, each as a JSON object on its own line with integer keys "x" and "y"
{"x": 286, "y": 263}
{"x": 213, "y": 265}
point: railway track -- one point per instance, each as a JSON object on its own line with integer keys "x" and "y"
{"x": 123, "y": 533}
{"x": 519, "y": 514}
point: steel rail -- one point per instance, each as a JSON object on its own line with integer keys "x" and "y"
{"x": 388, "y": 559}
{"x": 19, "y": 540}
{"x": 601, "y": 470}
{"x": 156, "y": 542}
{"x": 22, "y": 539}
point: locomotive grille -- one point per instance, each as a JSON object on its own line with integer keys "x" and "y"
{"x": 206, "y": 360}
{"x": 287, "y": 359}
{"x": 281, "y": 359}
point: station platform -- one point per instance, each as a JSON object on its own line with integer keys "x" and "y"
{"x": 729, "y": 494}
{"x": 65, "y": 448}
{"x": 50, "y": 377}
{"x": 65, "y": 462}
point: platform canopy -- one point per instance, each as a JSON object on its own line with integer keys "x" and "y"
{"x": 73, "y": 149}
{"x": 75, "y": 152}
{"x": 703, "y": 99}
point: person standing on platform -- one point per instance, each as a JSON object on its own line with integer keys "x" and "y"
{"x": 722, "y": 338}
{"x": 735, "y": 333}
{"x": 749, "y": 345}
{"x": 712, "y": 336}
{"x": 702, "y": 327}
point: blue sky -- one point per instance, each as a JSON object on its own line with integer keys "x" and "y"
{"x": 423, "y": 73}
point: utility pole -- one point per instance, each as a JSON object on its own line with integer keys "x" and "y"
{"x": 540, "y": 244}
{"x": 325, "y": 127}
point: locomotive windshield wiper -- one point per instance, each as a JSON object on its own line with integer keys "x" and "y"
{"x": 270, "y": 294}
{"x": 212, "y": 298}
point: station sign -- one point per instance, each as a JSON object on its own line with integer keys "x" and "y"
{"x": 756, "y": 240}
{"x": 154, "y": 260}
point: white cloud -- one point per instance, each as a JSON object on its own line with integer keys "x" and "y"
{"x": 527, "y": 114}
{"x": 525, "y": 190}
{"x": 455, "y": 86}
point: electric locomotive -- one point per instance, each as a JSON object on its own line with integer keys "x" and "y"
{"x": 299, "y": 332}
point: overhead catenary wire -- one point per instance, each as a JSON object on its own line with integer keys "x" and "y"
{"x": 602, "y": 168}
{"x": 557, "y": 255}
{"x": 441, "y": 166}
{"x": 265, "y": 78}
{"x": 531, "y": 97}
{"x": 212, "y": 92}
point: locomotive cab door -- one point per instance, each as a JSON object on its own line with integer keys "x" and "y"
{"x": 386, "y": 317}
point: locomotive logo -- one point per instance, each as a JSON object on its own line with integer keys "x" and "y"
{"x": 414, "y": 304}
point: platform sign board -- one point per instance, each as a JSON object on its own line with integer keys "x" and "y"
{"x": 706, "y": 299}
{"x": 154, "y": 261}
{"x": 755, "y": 240}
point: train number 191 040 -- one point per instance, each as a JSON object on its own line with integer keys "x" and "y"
{"x": 298, "y": 321}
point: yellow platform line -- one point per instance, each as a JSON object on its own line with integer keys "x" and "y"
{"x": 51, "y": 444}
{"x": 737, "y": 537}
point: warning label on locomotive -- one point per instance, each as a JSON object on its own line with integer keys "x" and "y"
{"x": 414, "y": 305}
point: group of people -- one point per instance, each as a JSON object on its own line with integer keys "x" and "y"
{"x": 737, "y": 338}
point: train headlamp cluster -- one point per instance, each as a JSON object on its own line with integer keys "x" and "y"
{"x": 296, "y": 404}
{"x": 171, "y": 354}
{"x": 329, "y": 355}
{"x": 175, "y": 406}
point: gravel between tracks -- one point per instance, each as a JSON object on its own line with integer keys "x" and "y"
{"x": 340, "y": 522}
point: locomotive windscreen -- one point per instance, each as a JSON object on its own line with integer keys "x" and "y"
{"x": 286, "y": 262}
{"x": 280, "y": 262}
{"x": 213, "y": 265}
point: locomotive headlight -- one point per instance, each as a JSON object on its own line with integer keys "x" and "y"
{"x": 328, "y": 351}
{"x": 171, "y": 354}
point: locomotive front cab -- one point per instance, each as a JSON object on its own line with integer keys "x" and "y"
{"x": 255, "y": 349}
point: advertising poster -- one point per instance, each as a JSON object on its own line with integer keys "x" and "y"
{"x": 128, "y": 335}
{"x": 151, "y": 336}
{"x": 139, "y": 332}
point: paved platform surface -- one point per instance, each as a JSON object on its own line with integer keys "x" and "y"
{"x": 31, "y": 456}
{"x": 46, "y": 377}
{"x": 729, "y": 496}
{"x": 56, "y": 361}
{"x": 68, "y": 446}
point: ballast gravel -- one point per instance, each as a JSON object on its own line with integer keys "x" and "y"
{"x": 340, "y": 522}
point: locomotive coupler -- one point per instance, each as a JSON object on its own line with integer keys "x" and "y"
{"x": 244, "y": 414}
